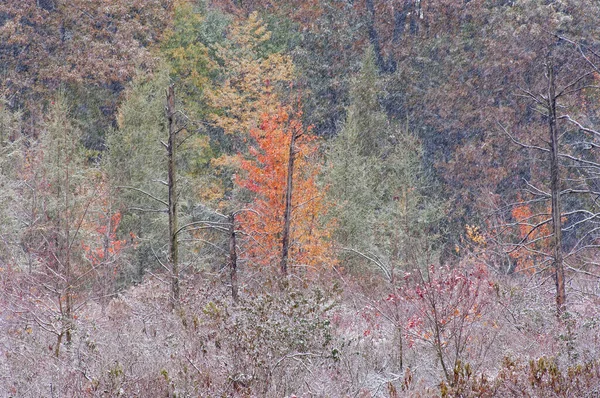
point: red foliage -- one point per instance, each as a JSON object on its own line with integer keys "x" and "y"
{"x": 108, "y": 244}
{"x": 445, "y": 309}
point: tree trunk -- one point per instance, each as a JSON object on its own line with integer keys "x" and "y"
{"x": 233, "y": 258}
{"x": 559, "y": 271}
{"x": 172, "y": 184}
{"x": 287, "y": 216}
{"x": 67, "y": 258}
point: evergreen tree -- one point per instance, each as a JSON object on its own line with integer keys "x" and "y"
{"x": 377, "y": 183}
{"x": 136, "y": 166}
{"x": 57, "y": 191}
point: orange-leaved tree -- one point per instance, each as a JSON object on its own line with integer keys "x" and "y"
{"x": 252, "y": 77}
{"x": 249, "y": 78}
{"x": 282, "y": 169}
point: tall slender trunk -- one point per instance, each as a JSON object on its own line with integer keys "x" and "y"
{"x": 108, "y": 275}
{"x": 559, "y": 271}
{"x": 63, "y": 247}
{"x": 233, "y": 258}
{"x": 287, "y": 215}
{"x": 172, "y": 184}
{"x": 67, "y": 259}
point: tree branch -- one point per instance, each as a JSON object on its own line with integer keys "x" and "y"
{"x": 145, "y": 193}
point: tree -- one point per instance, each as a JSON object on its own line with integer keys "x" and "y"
{"x": 248, "y": 85}
{"x": 445, "y": 308}
{"x": 188, "y": 48}
{"x": 249, "y": 76}
{"x": 56, "y": 192}
{"x": 365, "y": 132}
{"x": 173, "y": 194}
{"x": 11, "y": 159}
{"x": 136, "y": 159}
{"x": 547, "y": 100}
{"x": 288, "y": 205}
{"x": 559, "y": 83}
{"x": 135, "y": 181}
{"x": 378, "y": 184}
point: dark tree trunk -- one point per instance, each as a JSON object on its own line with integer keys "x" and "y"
{"x": 67, "y": 259}
{"x": 233, "y": 258}
{"x": 559, "y": 271}
{"x": 287, "y": 216}
{"x": 172, "y": 184}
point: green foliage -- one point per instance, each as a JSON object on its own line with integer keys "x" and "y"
{"x": 134, "y": 149}
{"x": 541, "y": 377}
{"x": 269, "y": 334}
{"x": 136, "y": 164}
{"x": 284, "y": 36}
{"x": 63, "y": 154}
{"x": 188, "y": 49}
{"x": 366, "y": 122}
{"x": 58, "y": 192}
{"x": 64, "y": 185}
{"x": 135, "y": 161}
{"x": 378, "y": 182}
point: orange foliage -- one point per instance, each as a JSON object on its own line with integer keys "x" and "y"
{"x": 265, "y": 174}
{"x": 250, "y": 81}
{"x": 101, "y": 246}
{"x": 532, "y": 237}
{"x": 110, "y": 246}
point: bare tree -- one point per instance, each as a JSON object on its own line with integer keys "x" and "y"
{"x": 566, "y": 201}
{"x": 172, "y": 200}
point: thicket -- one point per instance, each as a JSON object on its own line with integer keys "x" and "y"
{"x": 284, "y": 199}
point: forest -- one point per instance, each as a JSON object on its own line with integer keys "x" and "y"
{"x": 299, "y": 198}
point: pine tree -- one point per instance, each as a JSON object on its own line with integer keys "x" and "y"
{"x": 377, "y": 183}
{"x": 135, "y": 164}
{"x": 58, "y": 193}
